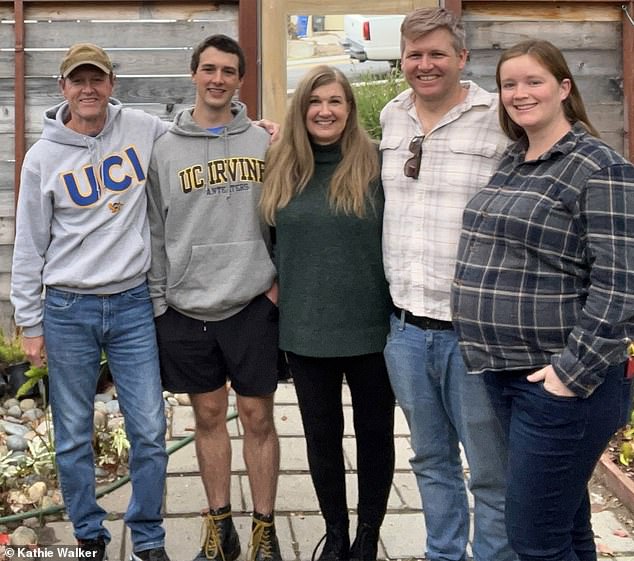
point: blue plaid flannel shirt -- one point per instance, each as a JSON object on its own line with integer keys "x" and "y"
{"x": 545, "y": 270}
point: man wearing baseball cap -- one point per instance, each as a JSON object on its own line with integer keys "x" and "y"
{"x": 82, "y": 250}
{"x": 85, "y": 54}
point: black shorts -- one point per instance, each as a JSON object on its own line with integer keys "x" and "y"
{"x": 200, "y": 356}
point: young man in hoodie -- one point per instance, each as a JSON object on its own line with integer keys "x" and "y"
{"x": 213, "y": 287}
{"x": 82, "y": 235}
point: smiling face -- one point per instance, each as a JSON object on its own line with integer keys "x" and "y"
{"x": 532, "y": 96}
{"x": 216, "y": 79}
{"x": 327, "y": 113}
{"x": 432, "y": 66}
{"x": 87, "y": 90}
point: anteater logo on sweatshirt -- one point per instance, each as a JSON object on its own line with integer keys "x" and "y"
{"x": 222, "y": 176}
{"x": 117, "y": 172}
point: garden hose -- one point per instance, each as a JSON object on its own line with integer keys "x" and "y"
{"x": 105, "y": 490}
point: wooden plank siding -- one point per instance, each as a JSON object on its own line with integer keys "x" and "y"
{"x": 589, "y": 34}
{"x": 150, "y": 45}
{"x": 142, "y": 35}
{"x": 148, "y": 89}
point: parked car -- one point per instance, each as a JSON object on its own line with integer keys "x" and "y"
{"x": 373, "y": 37}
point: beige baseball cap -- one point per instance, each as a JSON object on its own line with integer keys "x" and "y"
{"x": 85, "y": 53}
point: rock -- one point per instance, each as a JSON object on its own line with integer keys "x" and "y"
{"x": 44, "y": 427}
{"x": 48, "y": 502}
{"x": 31, "y": 523}
{"x": 183, "y": 398}
{"x": 30, "y": 435}
{"x": 101, "y": 406}
{"x": 113, "y": 407}
{"x": 115, "y": 422}
{"x": 10, "y": 403}
{"x": 3, "y": 411}
{"x": 14, "y": 411}
{"x": 27, "y": 404}
{"x": 32, "y": 415}
{"x": 23, "y": 536}
{"x": 103, "y": 397}
{"x": 56, "y": 497}
{"x": 100, "y": 472}
{"x": 32, "y": 479}
{"x": 17, "y": 443}
{"x": 13, "y": 428}
{"x": 37, "y": 491}
{"x": 100, "y": 420}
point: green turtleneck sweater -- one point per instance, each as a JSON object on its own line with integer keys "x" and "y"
{"x": 334, "y": 299}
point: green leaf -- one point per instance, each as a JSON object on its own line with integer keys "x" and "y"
{"x": 24, "y": 388}
{"x": 37, "y": 372}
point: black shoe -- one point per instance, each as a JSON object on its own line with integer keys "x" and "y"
{"x": 365, "y": 545}
{"x": 96, "y": 547}
{"x": 264, "y": 545}
{"x": 337, "y": 546}
{"x": 221, "y": 541}
{"x": 154, "y": 554}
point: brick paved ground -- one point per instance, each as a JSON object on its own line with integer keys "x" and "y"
{"x": 298, "y": 521}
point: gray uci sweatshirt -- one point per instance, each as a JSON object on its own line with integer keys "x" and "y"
{"x": 81, "y": 222}
{"x": 210, "y": 250}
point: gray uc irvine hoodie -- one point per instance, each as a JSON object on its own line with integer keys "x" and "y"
{"x": 81, "y": 222}
{"x": 210, "y": 250}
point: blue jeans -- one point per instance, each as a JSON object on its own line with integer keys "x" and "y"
{"x": 554, "y": 444}
{"x": 76, "y": 328}
{"x": 443, "y": 406}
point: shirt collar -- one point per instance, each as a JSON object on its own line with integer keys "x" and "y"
{"x": 476, "y": 96}
{"x": 565, "y": 145}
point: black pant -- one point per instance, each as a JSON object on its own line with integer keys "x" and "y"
{"x": 318, "y": 382}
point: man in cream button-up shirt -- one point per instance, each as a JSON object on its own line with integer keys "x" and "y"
{"x": 441, "y": 143}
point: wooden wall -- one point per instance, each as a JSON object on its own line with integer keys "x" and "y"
{"x": 150, "y": 46}
{"x": 590, "y": 36}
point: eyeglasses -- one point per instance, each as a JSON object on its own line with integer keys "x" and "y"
{"x": 412, "y": 165}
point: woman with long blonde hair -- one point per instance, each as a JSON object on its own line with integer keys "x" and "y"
{"x": 323, "y": 194}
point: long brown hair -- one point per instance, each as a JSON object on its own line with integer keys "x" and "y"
{"x": 551, "y": 58}
{"x": 290, "y": 164}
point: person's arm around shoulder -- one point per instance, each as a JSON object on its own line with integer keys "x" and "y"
{"x": 271, "y": 127}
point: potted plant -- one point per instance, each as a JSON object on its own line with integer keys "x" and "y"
{"x": 37, "y": 377}
{"x": 14, "y": 364}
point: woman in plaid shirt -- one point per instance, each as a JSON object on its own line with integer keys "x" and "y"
{"x": 543, "y": 300}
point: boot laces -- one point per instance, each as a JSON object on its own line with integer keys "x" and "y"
{"x": 212, "y": 542}
{"x": 262, "y": 540}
